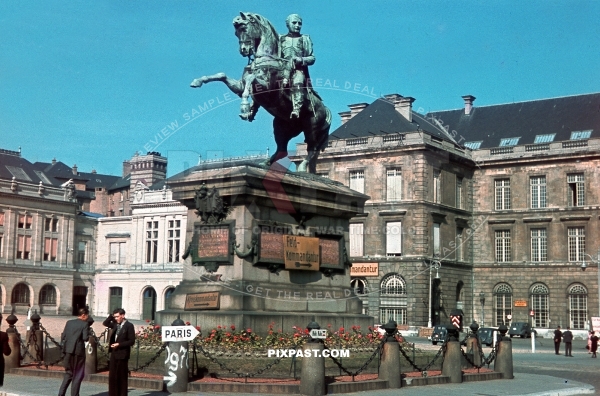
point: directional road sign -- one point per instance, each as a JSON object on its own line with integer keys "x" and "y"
{"x": 178, "y": 333}
{"x": 318, "y": 333}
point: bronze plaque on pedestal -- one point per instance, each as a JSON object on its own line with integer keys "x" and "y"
{"x": 301, "y": 253}
{"x": 196, "y": 301}
{"x": 332, "y": 252}
{"x": 212, "y": 243}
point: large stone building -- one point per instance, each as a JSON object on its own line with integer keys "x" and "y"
{"x": 495, "y": 201}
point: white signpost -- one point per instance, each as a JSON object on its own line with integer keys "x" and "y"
{"x": 178, "y": 333}
{"x": 318, "y": 333}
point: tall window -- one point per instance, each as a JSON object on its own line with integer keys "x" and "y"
{"x": 576, "y": 243}
{"x": 437, "y": 186}
{"x": 48, "y": 295}
{"x": 81, "y": 248}
{"x": 578, "y": 307}
{"x": 50, "y": 249}
{"x": 539, "y": 244}
{"x": 459, "y": 245}
{"x": 576, "y": 189}
{"x": 502, "y": 303}
{"x": 539, "y": 305}
{"x": 394, "y": 185}
{"x": 538, "y": 191}
{"x": 502, "y": 245}
{"x": 20, "y": 294}
{"x": 152, "y": 241}
{"x": 25, "y": 222}
{"x": 168, "y": 294}
{"x": 51, "y": 225}
{"x": 502, "y": 187}
{"x": 173, "y": 241}
{"x": 393, "y": 299}
{"x": 118, "y": 253}
{"x": 356, "y": 240}
{"x": 436, "y": 238}
{"x": 459, "y": 192}
{"x": 24, "y": 247}
{"x": 1, "y": 219}
{"x": 393, "y": 238}
{"x": 357, "y": 180}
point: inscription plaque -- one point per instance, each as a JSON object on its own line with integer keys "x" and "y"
{"x": 197, "y": 301}
{"x": 331, "y": 253}
{"x": 271, "y": 246}
{"x": 301, "y": 253}
{"x": 212, "y": 244}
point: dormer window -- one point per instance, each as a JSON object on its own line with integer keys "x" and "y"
{"x": 581, "y": 135}
{"x": 473, "y": 145}
{"x": 544, "y": 138}
{"x": 509, "y": 142}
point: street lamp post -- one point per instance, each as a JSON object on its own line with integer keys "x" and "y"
{"x": 482, "y": 301}
{"x": 435, "y": 263}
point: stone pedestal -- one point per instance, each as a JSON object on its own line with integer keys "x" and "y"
{"x": 236, "y": 273}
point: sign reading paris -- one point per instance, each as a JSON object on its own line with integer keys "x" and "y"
{"x": 301, "y": 253}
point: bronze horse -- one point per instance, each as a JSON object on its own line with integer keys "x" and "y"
{"x": 261, "y": 82}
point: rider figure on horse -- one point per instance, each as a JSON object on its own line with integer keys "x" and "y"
{"x": 298, "y": 50}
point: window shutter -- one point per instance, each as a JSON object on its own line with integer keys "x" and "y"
{"x": 54, "y": 247}
{"x": 393, "y": 238}
{"x": 122, "y": 253}
{"x": 47, "y": 246}
{"x": 356, "y": 240}
{"x": 114, "y": 249}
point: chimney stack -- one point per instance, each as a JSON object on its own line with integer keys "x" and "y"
{"x": 54, "y": 161}
{"x": 75, "y": 169}
{"x": 357, "y": 108}
{"x": 469, "y": 99}
{"x": 126, "y": 168}
{"x": 93, "y": 171}
{"x": 345, "y": 116}
{"x": 404, "y": 107}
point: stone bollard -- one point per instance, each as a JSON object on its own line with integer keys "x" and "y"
{"x": 473, "y": 344}
{"x": 177, "y": 371}
{"x": 91, "y": 351}
{"x": 390, "y": 358}
{"x": 504, "y": 360}
{"x": 14, "y": 359}
{"x": 35, "y": 338}
{"x": 453, "y": 356}
{"x": 312, "y": 381}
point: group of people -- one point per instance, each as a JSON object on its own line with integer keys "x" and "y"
{"x": 567, "y": 337}
{"x": 74, "y": 342}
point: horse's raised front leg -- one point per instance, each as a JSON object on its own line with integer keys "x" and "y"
{"x": 236, "y": 86}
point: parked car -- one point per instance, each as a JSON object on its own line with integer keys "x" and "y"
{"x": 440, "y": 333}
{"x": 521, "y": 329}
{"x": 486, "y": 335}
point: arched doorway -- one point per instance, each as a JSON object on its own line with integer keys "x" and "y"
{"x": 149, "y": 304}
{"x": 168, "y": 293}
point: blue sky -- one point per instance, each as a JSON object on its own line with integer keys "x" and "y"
{"x": 91, "y": 83}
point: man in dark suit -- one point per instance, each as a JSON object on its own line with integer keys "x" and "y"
{"x": 568, "y": 339}
{"x": 5, "y": 346}
{"x": 73, "y": 339}
{"x": 122, "y": 339}
{"x": 557, "y": 337}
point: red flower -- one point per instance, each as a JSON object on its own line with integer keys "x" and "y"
{"x": 248, "y": 330}
{"x": 219, "y": 327}
{"x": 232, "y": 328}
{"x": 157, "y": 327}
{"x": 147, "y": 320}
{"x": 198, "y": 328}
{"x": 187, "y": 323}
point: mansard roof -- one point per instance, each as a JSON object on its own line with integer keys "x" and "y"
{"x": 12, "y": 164}
{"x": 524, "y": 120}
{"x": 381, "y": 118}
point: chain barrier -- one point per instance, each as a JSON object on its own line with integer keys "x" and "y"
{"x": 440, "y": 352}
{"x": 26, "y": 350}
{"x": 484, "y": 360}
{"x": 365, "y": 365}
{"x": 237, "y": 373}
{"x": 62, "y": 353}
{"x": 149, "y": 362}
{"x": 98, "y": 343}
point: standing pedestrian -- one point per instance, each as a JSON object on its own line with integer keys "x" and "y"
{"x": 121, "y": 341}
{"x": 5, "y": 351}
{"x": 557, "y": 337}
{"x": 589, "y": 343}
{"x": 568, "y": 339}
{"x": 73, "y": 340}
{"x": 594, "y": 340}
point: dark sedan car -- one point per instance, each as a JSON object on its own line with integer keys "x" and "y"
{"x": 440, "y": 333}
{"x": 521, "y": 329}
{"x": 486, "y": 335}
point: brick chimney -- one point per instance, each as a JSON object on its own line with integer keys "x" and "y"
{"x": 54, "y": 161}
{"x": 469, "y": 99}
{"x": 404, "y": 107}
{"x": 74, "y": 169}
{"x": 345, "y": 116}
{"x": 126, "y": 168}
{"x": 357, "y": 108}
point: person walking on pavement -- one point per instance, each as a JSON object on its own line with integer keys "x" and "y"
{"x": 589, "y": 343}
{"x": 5, "y": 351}
{"x": 122, "y": 339}
{"x": 594, "y": 347}
{"x": 568, "y": 339}
{"x": 74, "y": 337}
{"x": 557, "y": 337}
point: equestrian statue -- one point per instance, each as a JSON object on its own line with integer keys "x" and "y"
{"x": 276, "y": 79}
